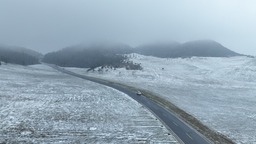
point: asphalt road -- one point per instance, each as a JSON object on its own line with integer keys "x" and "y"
{"x": 185, "y": 133}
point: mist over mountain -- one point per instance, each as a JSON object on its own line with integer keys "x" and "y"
{"x": 23, "y": 50}
{"x": 106, "y": 53}
{"x": 92, "y": 56}
{"x": 19, "y": 55}
{"x": 111, "y": 54}
{"x": 201, "y": 48}
{"x": 103, "y": 47}
{"x": 162, "y": 50}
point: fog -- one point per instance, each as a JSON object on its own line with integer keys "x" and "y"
{"x": 49, "y": 25}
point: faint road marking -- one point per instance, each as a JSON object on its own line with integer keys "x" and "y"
{"x": 175, "y": 123}
{"x": 189, "y": 136}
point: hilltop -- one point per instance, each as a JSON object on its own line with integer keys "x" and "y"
{"x": 19, "y": 55}
{"x": 200, "y": 48}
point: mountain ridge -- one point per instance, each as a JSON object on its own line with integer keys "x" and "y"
{"x": 19, "y": 55}
{"x": 201, "y": 48}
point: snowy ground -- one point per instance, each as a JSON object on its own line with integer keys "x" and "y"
{"x": 41, "y": 105}
{"x": 220, "y": 92}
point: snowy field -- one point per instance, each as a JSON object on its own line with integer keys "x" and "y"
{"x": 41, "y": 105}
{"x": 220, "y": 92}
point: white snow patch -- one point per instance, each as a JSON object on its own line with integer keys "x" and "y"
{"x": 92, "y": 128}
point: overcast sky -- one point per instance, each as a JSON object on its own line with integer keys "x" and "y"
{"x": 49, "y": 25}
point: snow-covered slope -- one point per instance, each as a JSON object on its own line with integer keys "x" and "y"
{"x": 220, "y": 92}
{"x": 41, "y": 105}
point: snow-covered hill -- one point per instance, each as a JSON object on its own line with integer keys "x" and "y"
{"x": 41, "y": 105}
{"x": 220, "y": 92}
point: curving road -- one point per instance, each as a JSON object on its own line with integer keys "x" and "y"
{"x": 185, "y": 133}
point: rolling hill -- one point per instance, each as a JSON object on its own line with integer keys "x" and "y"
{"x": 200, "y": 48}
{"x": 92, "y": 56}
{"x": 19, "y": 55}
